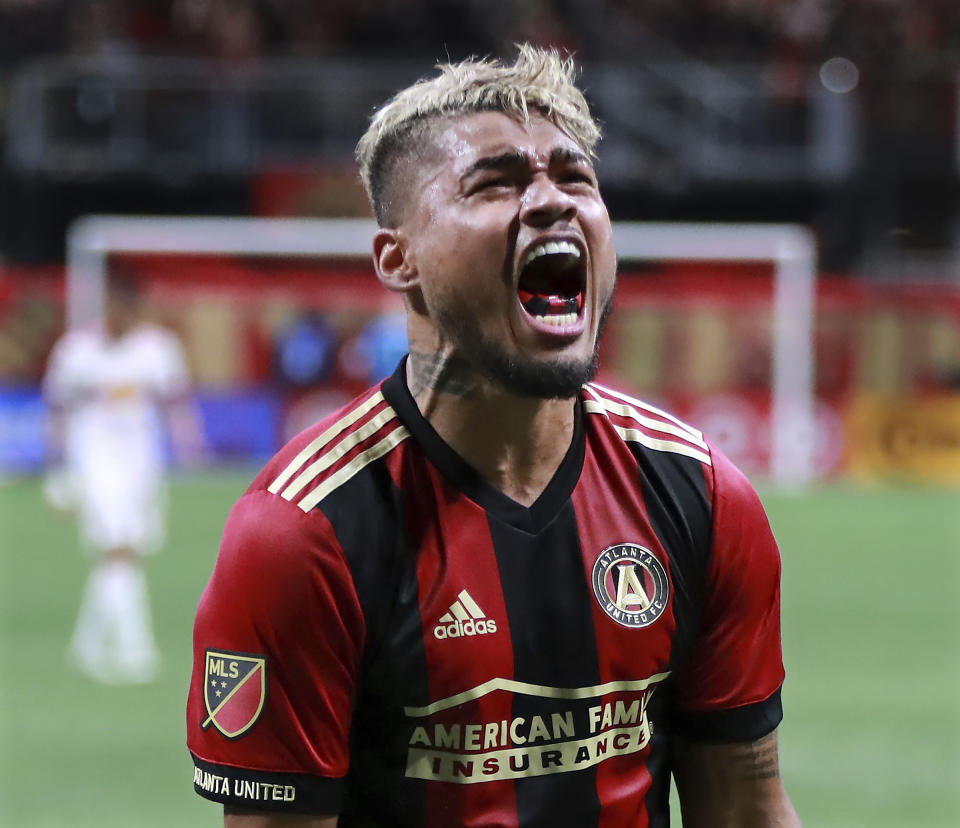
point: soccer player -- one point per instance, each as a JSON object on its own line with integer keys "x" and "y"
{"x": 107, "y": 391}
{"x": 490, "y": 591}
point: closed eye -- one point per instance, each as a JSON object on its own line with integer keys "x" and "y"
{"x": 494, "y": 183}
{"x": 577, "y": 177}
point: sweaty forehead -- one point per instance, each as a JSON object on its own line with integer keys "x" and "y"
{"x": 446, "y": 151}
{"x": 466, "y": 139}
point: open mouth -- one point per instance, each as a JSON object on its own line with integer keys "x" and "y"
{"x": 552, "y": 283}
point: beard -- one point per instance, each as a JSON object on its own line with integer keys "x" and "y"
{"x": 544, "y": 379}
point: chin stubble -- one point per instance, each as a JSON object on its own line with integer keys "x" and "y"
{"x": 481, "y": 357}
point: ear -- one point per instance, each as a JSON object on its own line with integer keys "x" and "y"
{"x": 393, "y": 262}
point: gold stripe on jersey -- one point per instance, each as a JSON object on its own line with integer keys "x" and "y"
{"x": 337, "y": 452}
{"x": 601, "y": 405}
{"x": 344, "y": 422}
{"x": 540, "y": 690}
{"x": 341, "y": 476}
{"x": 633, "y": 402}
{"x": 636, "y": 436}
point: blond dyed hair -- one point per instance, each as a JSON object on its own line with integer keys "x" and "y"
{"x": 539, "y": 80}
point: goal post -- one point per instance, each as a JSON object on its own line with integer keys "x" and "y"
{"x": 790, "y": 249}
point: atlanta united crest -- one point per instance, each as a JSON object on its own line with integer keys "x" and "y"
{"x": 631, "y": 585}
{"x": 234, "y": 691}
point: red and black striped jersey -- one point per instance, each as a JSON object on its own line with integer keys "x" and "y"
{"x": 387, "y": 637}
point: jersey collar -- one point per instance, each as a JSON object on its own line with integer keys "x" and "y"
{"x": 469, "y": 481}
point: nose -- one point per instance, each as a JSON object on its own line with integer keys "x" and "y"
{"x": 543, "y": 203}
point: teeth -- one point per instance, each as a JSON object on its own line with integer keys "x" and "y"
{"x": 551, "y": 248}
{"x": 558, "y": 320}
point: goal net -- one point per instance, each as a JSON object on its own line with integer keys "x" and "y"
{"x": 779, "y": 316}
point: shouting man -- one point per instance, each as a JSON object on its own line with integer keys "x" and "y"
{"x": 490, "y": 591}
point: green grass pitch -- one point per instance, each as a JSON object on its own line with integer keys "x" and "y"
{"x": 871, "y": 608}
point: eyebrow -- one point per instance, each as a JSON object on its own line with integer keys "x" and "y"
{"x": 515, "y": 158}
{"x": 503, "y": 161}
{"x": 569, "y": 156}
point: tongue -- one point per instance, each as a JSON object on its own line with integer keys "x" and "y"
{"x": 537, "y": 304}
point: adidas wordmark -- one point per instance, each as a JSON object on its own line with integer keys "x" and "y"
{"x": 464, "y": 618}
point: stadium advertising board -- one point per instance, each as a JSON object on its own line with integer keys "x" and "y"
{"x": 915, "y": 439}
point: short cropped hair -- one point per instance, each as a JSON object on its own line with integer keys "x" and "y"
{"x": 539, "y": 79}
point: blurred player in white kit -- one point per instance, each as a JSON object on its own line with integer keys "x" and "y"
{"x": 109, "y": 392}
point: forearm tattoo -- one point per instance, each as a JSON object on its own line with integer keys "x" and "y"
{"x": 719, "y": 767}
{"x": 756, "y": 760}
{"x": 731, "y": 784}
{"x": 436, "y": 372}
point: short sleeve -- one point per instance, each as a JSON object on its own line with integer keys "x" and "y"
{"x": 62, "y": 375}
{"x": 172, "y": 377}
{"x": 729, "y": 687}
{"x": 277, "y": 643}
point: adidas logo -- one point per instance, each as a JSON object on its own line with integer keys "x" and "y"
{"x": 464, "y": 618}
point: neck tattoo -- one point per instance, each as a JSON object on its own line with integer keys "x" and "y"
{"x": 436, "y": 372}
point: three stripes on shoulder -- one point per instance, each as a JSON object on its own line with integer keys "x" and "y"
{"x": 333, "y": 445}
{"x": 382, "y": 432}
{"x": 658, "y": 430}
